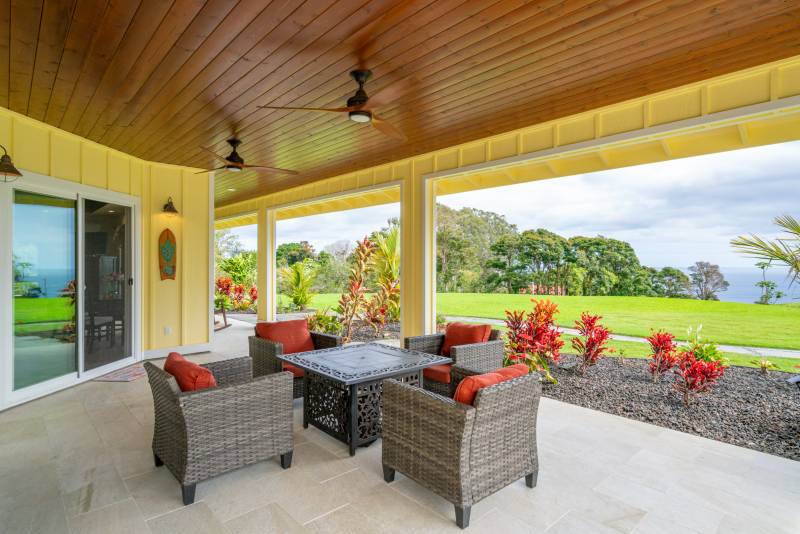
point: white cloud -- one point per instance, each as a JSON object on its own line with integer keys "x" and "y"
{"x": 673, "y": 213}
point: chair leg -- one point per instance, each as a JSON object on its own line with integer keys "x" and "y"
{"x": 286, "y": 460}
{"x": 188, "y": 493}
{"x": 462, "y": 516}
{"x": 388, "y": 473}
{"x": 530, "y": 480}
{"x": 157, "y": 460}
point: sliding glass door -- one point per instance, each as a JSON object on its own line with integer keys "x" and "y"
{"x": 72, "y": 286}
{"x": 107, "y": 283}
{"x": 43, "y": 284}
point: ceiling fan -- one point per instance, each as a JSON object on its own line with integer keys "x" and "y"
{"x": 235, "y": 163}
{"x": 360, "y": 106}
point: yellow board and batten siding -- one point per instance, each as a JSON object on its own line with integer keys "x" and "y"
{"x": 748, "y": 108}
{"x": 180, "y": 304}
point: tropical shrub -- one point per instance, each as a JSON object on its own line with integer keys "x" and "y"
{"x": 593, "y": 341}
{"x": 763, "y": 365}
{"x": 386, "y": 267}
{"x": 378, "y": 310}
{"x": 224, "y": 285}
{"x": 534, "y": 339}
{"x": 694, "y": 376}
{"x": 783, "y": 251}
{"x": 702, "y": 350}
{"x": 241, "y": 268}
{"x": 299, "y": 277}
{"x": 323, "y": 321}
{"x": 253, "y": 294}
{"x": 352, "y": 302}
{"x": 663, "y": 353}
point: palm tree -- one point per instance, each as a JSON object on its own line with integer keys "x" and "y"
{"x": 784, "y": 250}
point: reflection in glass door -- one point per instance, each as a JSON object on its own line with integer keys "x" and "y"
{"x": 43, "y": 270}
{"x": 107, "y": 283}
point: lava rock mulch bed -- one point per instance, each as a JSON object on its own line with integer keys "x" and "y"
{"x": 746, "y": 408}
{"x": 365, "y": 333}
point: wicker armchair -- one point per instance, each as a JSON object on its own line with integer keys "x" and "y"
{"x": 478, "y": 357}
{"x": 201, "y": 434}
{"x": 265, "y": 356}
{"x": 462, "y": 453}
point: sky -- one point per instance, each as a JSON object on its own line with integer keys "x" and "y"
{"x": 673, "y": 213}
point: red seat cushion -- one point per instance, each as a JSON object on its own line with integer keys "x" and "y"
{"x": 468, "y": 388}
{"x": 464, "y": 334}
{"x": 294, "y": 335}
{"x": 296, "y": 371}
{"x": 437, "y": 373}
{"x": 188, "y": 375}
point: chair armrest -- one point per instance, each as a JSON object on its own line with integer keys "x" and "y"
{"x": 233, "y": 371}
{"x": 325, "y": 341}
{"x": 258, "y": 409}
{"x": 426, "y": 437}
{"x": 430, "y": 344}
{"x": 265, "y": 355}
{"x": 483, "y": 357}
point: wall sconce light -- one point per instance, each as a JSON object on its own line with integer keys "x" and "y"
{"x": 7, "y": 169}
{"x": 169, "y": 207}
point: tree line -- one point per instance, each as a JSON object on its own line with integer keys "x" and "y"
{"x": 481, "y": 252}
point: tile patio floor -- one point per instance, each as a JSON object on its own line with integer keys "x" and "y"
{"x": 79, "y": 461}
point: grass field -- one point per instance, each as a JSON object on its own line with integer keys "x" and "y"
{"x": 57, "y": 309}
{"x": 730, "y": 323}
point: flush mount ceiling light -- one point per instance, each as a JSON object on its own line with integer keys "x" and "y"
{"x": 7, "y": 169}
{"x": 169, "y": 207}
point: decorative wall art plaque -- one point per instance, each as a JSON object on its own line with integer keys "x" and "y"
{"x": 167, "y": 248}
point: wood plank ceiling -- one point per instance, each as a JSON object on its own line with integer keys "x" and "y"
{"x": 161, "y": 78}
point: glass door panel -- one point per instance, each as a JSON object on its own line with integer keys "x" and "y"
{"x": 107, "y": 277}
{"x": 43, "y": 270}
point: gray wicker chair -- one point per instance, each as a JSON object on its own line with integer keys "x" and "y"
{"x": 265, "y": 356}
{"x": 462, "y": 453}
{"x": 478, "y": 357}
{"x": 201, "y": 434}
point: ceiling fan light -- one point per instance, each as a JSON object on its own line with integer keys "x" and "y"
{"x": 233, "y": 168}
{"x": 360, "y": 116}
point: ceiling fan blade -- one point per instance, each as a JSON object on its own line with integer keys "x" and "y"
{"x": 214, "y": 154}
{"x": 270, "y": 169}
{"x": 392, "y": 93}
{"x": 211, "y": 170}
{"x": 366, "y": 38}
{"x": 387, "y": 129}
{"x": 324, "y": 110}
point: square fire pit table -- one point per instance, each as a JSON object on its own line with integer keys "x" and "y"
{"x": 343, "y": 386}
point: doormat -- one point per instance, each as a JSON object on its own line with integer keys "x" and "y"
{"x": 127, "y": 374}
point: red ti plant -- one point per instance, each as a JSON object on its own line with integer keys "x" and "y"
{"x": 694, "y": 376}
{"x": 354, "y": 299}
{"x": 224, "y": 285}
{"x": 377, "y": 309}
{"x": 238, "y": 293}
{"x": 592, "y": 344}
{"x": 534, "y": 338}
{"x": 664, "y": 353}
{"x": 253, "y": 294}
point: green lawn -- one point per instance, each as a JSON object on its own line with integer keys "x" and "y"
{"x": 731, "y": 323}
{"x": 53, "y": 309}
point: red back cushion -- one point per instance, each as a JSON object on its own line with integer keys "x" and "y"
{"x": 188, "y": 375}
{"x": 294, "y": 335}
{"x": 468, "y": 388}
{"x": 464, "y": 334}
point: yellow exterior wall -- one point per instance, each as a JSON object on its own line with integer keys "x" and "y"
{"x": 652, "y": 128}
{"x": 180, "y": 304}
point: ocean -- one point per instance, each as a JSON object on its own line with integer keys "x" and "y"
{"x": 743, "y": 282}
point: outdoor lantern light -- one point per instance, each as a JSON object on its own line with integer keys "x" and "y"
{"x": 7, "y": 169}
{"x": 169, "y": 207}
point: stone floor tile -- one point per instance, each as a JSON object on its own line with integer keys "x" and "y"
{"x": 656, "y": 524}
{"x": 573, "y": 523}
{"x": 301, "y": 496}
{"x": 120, "y": 518}
{"x": 194, "y": 519}
{"x": 268, "y": 519}
{"x": 101, "y": 486}
{"x": 319, "y": 463}
{"x": 35, "y": 518}
{"x": 157, "y": 492}
{"x": 346, "y": 519}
